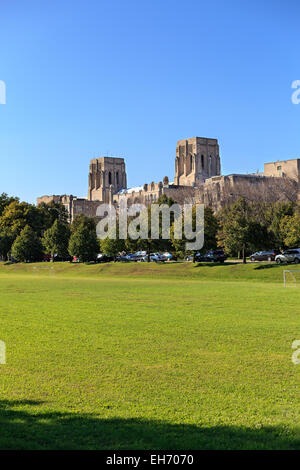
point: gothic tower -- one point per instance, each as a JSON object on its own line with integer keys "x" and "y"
{"x": 107, "y": 176}
{"x": 196, "y": 160}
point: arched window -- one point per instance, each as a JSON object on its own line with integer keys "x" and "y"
{"x": 109, "y": 178}
{"x": 202, "y": 161}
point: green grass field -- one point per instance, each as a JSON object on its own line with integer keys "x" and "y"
{"x": 140, "y": 356}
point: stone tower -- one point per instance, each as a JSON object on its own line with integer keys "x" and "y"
{"x": 196, "y": 160}
{"x": 107, "y": 176}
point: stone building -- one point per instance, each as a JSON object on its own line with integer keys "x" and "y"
{"x": 197, "y": 179}
{"x": 196, "y": 160}
{"x": 107, "y": 177}
{"x": 288, "y": 168}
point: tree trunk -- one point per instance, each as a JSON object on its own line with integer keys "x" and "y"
{"x": 244, "y": 256}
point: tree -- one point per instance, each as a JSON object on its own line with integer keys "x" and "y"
{"x": 5, "y": 200}
{"x": 111, "y": 247}
{"x": 51, "y": 212}
{"x": 235, "y": 227}
{"x": 150, "y": 244}
{"x": 290, "y": 230}
{"x": 84, "y": 243}
{"x": 18, "y": 215}
{"x": 275, "y": 214}
{"x": 56, "y": 239}
{"x": 6, "y": 241}
{"x": 210, "y": 233}
{"x": 82, "y": 219}
{"x": 27, "y": 246}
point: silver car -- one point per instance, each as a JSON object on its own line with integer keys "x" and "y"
{"x": 289, "y": 256}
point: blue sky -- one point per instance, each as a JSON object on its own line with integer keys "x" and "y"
{"x": 130, "y": 78}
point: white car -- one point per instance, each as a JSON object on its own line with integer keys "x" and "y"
{"x": 289, "y": 256}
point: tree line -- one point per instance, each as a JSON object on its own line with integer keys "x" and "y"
{"x": 28, "y": 232}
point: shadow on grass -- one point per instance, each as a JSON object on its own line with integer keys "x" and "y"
{"x": 212, "y": 265}
{"x": 268, "y": 266}
{"x": 27, "y": 429}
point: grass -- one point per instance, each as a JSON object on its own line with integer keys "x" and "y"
{"x": 138, "y": 356}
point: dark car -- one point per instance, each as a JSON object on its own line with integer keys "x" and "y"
{"x": 264, "y": 255}
{"x": 198, "y": 257}
{"x": 62, "y": 258}
{"x": 214, "y": 256}
{"x": 102, "y": 258}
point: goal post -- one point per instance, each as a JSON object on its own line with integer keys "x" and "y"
{"x": 37, "y": 269}
{"x": 291, "y": 274}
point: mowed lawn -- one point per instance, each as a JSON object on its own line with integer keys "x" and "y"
{"x": 145, "y": 356}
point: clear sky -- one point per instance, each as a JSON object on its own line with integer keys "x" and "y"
{"x": 130, "y": 78}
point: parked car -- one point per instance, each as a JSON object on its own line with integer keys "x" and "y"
{"x": 264, "y": 255}
{"x": 132, "y": 257}
{"x": 122, "y": 259}
{"x": 168, "y": 256}
{"x": 198, "y": 257}
{"x": 60, "y": 258}
{"x": 103, "y": 258}
{"x": 289, "y": 256}
{"x": 157, "y": 257}
{"x": 214, "y": 256}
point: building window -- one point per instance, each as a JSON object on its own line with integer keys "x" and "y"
{"x": 202, "y": 161}
{"x": 210, "y": 165}
{"x": 109, "y": 178}
{"x": 117, "y": 177}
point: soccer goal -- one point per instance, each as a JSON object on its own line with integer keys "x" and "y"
{"x": 291, "y": 277}
{"x": 41, "y": 269}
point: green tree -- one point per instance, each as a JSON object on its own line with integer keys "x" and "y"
{"x": 84, "y": 243}
{"x": 51, "y": 212}
{"x": 18, "y": 215}
{"x": 27, "y": 246}
{"x": 56, "y": 239}
{"x": 111, "y": 247}
{"x": 82, "y": 219}
{"x": 235, "y": 227}
{"x": 275, "y": 214}
{"x": 210, "y": 233}
{"x": 290, "y": 230}
{"x": 149, "y": 244}
{"x": 5, "y": 200}
{"x": 6, "y": 241}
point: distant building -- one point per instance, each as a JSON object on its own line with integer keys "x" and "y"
{"x": 197, "y": 177}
